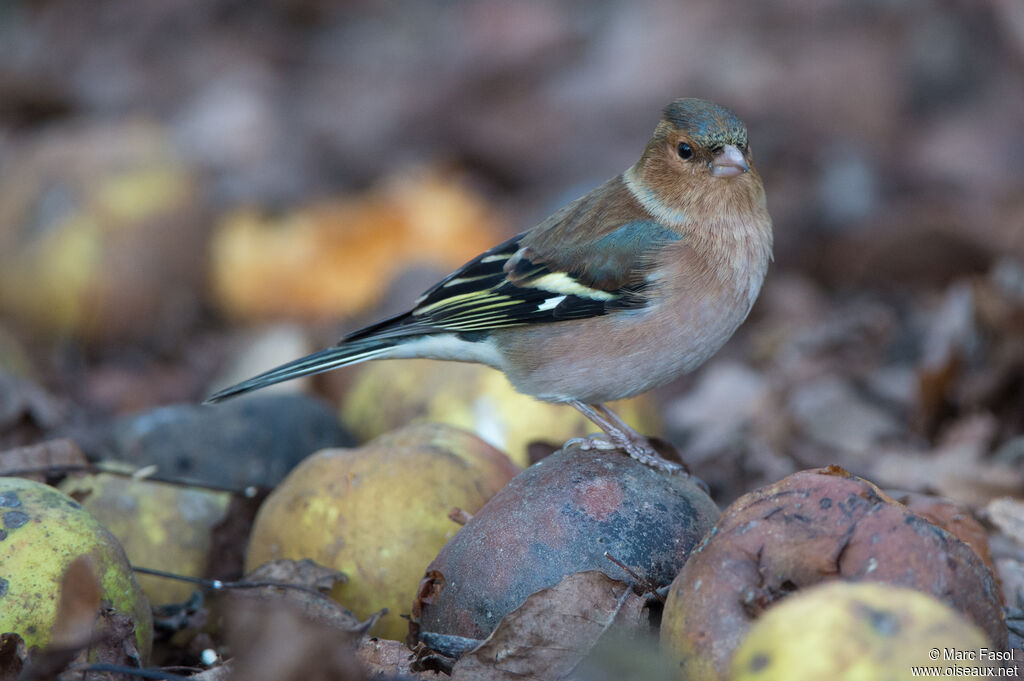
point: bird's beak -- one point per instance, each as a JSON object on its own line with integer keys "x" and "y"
{"x": 729, "y": 162}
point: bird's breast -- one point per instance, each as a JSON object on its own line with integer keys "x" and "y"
{"x": 698, "y": 297}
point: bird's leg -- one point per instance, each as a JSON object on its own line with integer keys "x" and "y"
{"x": 620, "y": 436}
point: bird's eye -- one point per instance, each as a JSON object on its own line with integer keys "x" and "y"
{"x": 685, "y": 151}
{"x": 742, "y": 146}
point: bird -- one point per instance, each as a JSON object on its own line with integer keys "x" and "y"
{"x": 626, "y": 288}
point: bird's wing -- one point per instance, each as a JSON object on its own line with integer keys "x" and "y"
{"x": 510, "y": 285}
{"x": 522, "y": 281}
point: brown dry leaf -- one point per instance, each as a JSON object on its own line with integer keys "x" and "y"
{"x": 830, "y": 413}
{"x": 80, "y": 595}
{"x": 1008, "y": 515}
{"x": 383, "y": 656}
{"x": 720, "y": 410}
{"x": 459, "y": 515}
{"x": 50, "y": 454}
{"x": 277, "y": 642}
{"x": 114, "y": 643}
{"x": 625, "y": 657}
{"x": 298, "y": 572}
{"x": 992, "y": 376}
{"x": 1011, "y": 577}
{"x": 956, "y": 469}
{"x": 310, "y": 597}
{"x": 335, "y": 259}
{"x": 192, "y": 617}
{"x": 220, "y": 673}
{"x": 26, "y": 411}
{"x": 952, "y": 332}
{"x": 547, "y": 636}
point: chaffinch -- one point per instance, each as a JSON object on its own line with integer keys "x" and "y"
{"x": 620, "y": 291}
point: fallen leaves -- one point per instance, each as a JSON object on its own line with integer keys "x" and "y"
{"x": 26, "y": 411}
{"x": 546, "y": 637}
{"x": 317, "y": 178}
{"x": 36, "y": 462}
{"x": 957, "y": 468}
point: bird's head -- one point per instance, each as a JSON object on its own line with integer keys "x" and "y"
{"x": 699, "y": 159}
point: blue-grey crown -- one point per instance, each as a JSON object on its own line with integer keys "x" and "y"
{"x": 709, "y": 124}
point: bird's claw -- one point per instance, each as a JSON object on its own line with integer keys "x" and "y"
{"x": 642, "y": 452}
{"x": 592, "y": 442}
{"x": 649, "y": 457}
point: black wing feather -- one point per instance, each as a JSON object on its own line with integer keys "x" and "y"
{"x": 480, "y": 296}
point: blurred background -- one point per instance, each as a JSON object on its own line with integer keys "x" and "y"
{"x": 191, "y": 192}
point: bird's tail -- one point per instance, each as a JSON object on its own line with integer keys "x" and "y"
{"x": 318, "y": 362}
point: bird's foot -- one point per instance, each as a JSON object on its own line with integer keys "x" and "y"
{"x": 639, "y": 449}
{"x": 646, "y": 454}
{"x": 598, "y": 442}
